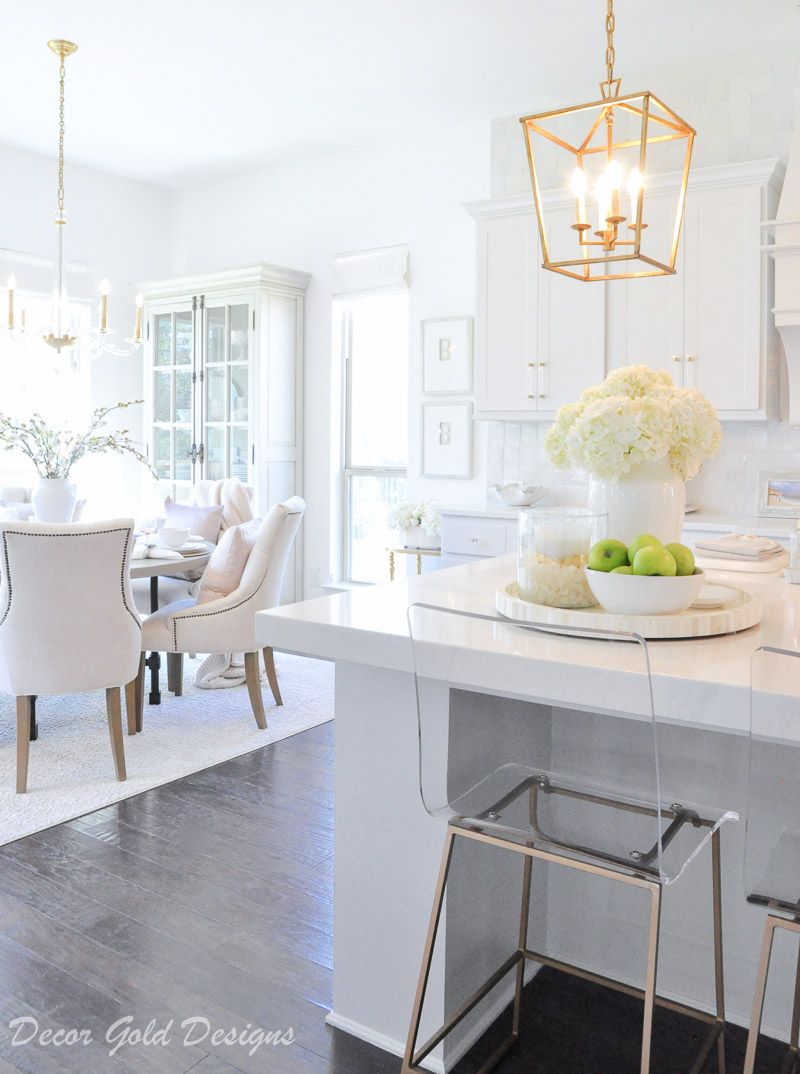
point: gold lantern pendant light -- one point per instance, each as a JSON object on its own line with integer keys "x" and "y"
{"x": 601, "y": 159}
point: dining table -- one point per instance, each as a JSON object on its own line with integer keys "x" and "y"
{"x": 153, "y": 567}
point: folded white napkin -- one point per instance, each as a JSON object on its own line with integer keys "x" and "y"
{"x": 741, "y": 546}
{"x": 153, "y": 551}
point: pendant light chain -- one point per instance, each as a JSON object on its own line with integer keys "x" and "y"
{"x": 61, "y": 73}
{"x": 610, "y": 23}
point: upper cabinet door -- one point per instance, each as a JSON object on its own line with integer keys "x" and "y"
{"x": 508, "y": 260}
{"x": 646, "y": 313}
{"x": 571, "y": 334}
{"x": 171, "y": 397}
{"x": 723, "y": 341}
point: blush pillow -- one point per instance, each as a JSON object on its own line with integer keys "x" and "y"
{"x": 202, "y": 521}
{"x": 225, "y": 568}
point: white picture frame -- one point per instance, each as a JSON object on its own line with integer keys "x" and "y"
{"x": 446, "y": 434}
{"x": 446, "y": 347}
{"x": 778, "y": 493}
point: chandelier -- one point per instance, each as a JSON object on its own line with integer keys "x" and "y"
{"x": 62, "y": 333}
{"x": 599, "y": 224}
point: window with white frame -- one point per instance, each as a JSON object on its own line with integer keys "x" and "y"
{"x": 373, "y": 334}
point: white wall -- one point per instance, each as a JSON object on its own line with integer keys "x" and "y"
{"x": 120, "y": 228}
{"x": 398, "y": 191}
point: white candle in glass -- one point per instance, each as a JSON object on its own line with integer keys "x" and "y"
{"x": 559, "y": 542}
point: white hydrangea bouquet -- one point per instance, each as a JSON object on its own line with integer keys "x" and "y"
{"x": 636, "y": 415}
{"x": 424, "y": 514}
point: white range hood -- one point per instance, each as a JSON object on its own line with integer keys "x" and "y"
{"x": 786, "y": 251}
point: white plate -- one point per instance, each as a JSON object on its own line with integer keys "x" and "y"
{"x": 195, "y": 537}
{"x": 713, "y": 596}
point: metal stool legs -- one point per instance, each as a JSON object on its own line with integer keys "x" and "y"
{"x": 770, "y": 925}
{"x": 414, "y": 1056}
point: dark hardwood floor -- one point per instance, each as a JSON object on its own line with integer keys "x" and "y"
{"x": 211, "y": 898}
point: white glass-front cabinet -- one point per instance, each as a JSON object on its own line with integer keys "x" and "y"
{"x": 223, "y": 380}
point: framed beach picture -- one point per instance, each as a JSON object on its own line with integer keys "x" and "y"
{"x": 446, "y": 346}
{"x": 778, "y": 493}
{"x": 446, "y": 439}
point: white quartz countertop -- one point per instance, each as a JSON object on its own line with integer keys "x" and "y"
{"x": 702, "y": 681}
{"x": 702, "y": 519}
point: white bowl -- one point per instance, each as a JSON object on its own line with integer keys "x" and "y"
{"x": 644, "y": 594}
{"x": 172, "y": 537}
{"x": 515, "y": 494}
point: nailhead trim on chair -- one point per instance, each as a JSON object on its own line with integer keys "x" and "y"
{"x": 125, "y": 561}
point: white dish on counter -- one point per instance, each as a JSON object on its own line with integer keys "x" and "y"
{"x": 714, "y": 596}
{"x": 515, "y": 494}
{"x": 644, "y": 594}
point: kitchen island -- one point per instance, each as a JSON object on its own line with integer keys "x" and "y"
{"x": 387, "y": 848}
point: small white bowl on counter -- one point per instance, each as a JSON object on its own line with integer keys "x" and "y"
{"x": 645, "y": 594}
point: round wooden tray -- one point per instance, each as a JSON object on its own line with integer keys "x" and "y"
{"x": 740, "y": 613}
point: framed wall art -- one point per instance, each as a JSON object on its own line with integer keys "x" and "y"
{"x": 446, "y": 347}
{"x": 778, "y": 493}
{"x": 446, "y": 439}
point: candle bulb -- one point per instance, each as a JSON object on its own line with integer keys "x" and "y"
{"x": 105, "y": 287}
{"x": 139, "y": 303}
{"x": 12, "y": 283}
{"x": 578, "y": 184}
{"x": 614, "y": 175}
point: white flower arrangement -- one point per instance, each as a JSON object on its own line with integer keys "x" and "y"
{"x": 424, "y": 514}
{"x": 636, "y": 415}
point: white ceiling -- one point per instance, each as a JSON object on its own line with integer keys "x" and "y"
{"x": 173, "y": 91}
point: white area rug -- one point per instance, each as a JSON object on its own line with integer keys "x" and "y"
{"x": 71, "y": 771}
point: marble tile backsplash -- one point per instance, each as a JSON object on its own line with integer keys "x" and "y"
{"x": 727, "y": 483}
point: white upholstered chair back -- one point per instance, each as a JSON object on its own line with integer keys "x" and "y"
{"x": 67, "y": 620}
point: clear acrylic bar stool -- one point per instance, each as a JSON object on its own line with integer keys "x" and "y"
{"x": 600, "y": 812}
{"x": 772, "y": 839}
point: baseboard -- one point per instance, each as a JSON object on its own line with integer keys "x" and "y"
{"x": 436, "y": 1066}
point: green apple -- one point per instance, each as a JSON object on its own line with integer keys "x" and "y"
{"x": 683, "y": 556}
{"x": 641, "y": 541}
{"x": 623, "y": 570}
{"x": 654, "y": 559}
{"x": 606, "y": 555}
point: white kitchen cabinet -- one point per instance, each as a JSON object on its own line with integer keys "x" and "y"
{"x": 223, "y": 380}
{"x": 541, "y": 338}
{"x": 474, "y": 533}
{"x": 537, "y": 334}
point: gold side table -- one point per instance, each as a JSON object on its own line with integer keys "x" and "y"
{"x": 392, "y": 549}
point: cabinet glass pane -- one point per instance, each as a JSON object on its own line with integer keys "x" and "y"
{"x": 239, "y": 393}
{"x": 239, "y": 333}
{"x": 183, "y": 464}
{"x": 215, "y": 453}
{"x": 215, "y": 395}
{"x": 162, "y": 407}
{"x": 239, "y": 454}
{"x": 163, "y": 454}
{"x": 216, "y": 334}
{"x": 163, "y": 328}
{"x": 183, "y": 395}
{"x": 183, "y": 338}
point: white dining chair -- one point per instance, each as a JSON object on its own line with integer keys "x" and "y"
{"x": 67, "y": 621}
{"x": 227, "y": 624}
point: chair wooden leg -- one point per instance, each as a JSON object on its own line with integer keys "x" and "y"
{"x": 23, "y": 741}
{"x": 269, "y": 664}
{"x": 140, "y": 693}
{"x": 130, "y": 705}
{"x": 175, "y": 673}
{"x": 253, "y": 677}
{"x": 114, "y": 712}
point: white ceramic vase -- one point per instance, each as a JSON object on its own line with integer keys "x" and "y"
{"x": 650, "y": 499}
{"x": 416, "y": 537}
{"x": 53, "y": 499}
